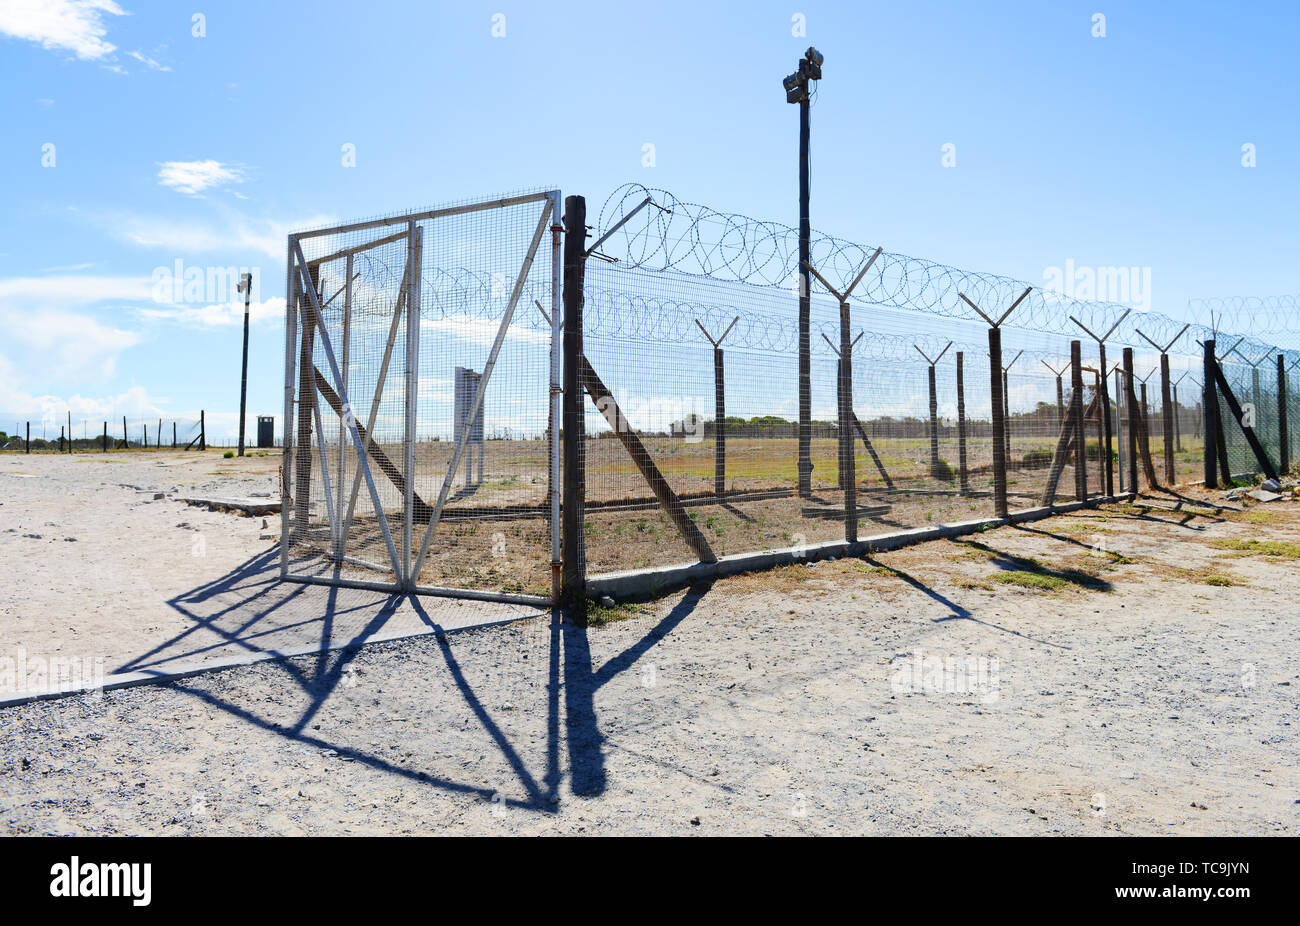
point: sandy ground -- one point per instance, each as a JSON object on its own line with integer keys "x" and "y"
{"x": 112, "y": 566}
{"x": 1132, "y": 670}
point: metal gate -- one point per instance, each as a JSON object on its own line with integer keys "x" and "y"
{"x": 422, "y": 402}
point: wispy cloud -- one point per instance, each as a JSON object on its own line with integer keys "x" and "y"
{"x": 216, "y": 316}
{"x": 229, "y": 230}
{"x": 67, "y": 291}
{"x": 193, "y": 177}
{"x": 71, "y": 25}
{"x": 148, "y": 62}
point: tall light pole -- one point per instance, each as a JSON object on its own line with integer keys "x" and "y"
{"x": 245, "y": 287}
{"x": 796, "y": 91}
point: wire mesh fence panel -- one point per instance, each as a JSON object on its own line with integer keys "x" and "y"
{"x": 420, "y": 452}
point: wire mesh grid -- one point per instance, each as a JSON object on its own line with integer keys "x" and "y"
{"x": 421, "y": 450}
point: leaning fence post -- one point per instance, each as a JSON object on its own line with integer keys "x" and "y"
{"x": 203, "y": 431}
{"x": 105, "y": 448}
{"x": 573, "y": 578}
{"x": 1210, "y": 408}
{"x": 962, "y": 474}
{"x": 1283, "y": 426}
{"x": 126, "y": 441}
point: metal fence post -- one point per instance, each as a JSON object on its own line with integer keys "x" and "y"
{"x": 574, "y": 569}
{"x": 414, "y": 256}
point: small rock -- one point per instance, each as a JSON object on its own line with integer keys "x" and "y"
{"x": 695, "y": 821}
{"x": 606, "y": 601}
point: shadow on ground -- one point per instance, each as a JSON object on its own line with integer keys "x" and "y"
{"x": 252, "y": 612}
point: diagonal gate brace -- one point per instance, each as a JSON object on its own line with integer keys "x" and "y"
{"x": 422, "y": 511}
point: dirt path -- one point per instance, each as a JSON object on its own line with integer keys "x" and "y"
{"x": 1129, "y": 670}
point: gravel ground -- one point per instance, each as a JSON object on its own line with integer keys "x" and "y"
{"x": 1122, "y": 671}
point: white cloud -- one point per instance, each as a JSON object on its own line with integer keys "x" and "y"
{"x": 74, "y": 25}
{"x": 217, "y": 316}
{"x": 152, "y": 64}
{"x": 482, "y": 331}
{"x": 192, "y": 177}
{"x": 72, "y": 290}
{"x": 229, "y": 231}
{"x": 69, "y": 346}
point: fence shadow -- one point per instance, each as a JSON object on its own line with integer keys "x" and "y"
{"x": 250, "y": 596}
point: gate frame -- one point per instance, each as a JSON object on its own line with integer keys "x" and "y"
{"x": 302, "y": 302}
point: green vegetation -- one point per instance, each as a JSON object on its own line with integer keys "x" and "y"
{"x": 1028, "y": 579}
{"x": 599, "y": 615}
{"x": 1036, "y": 459}
{"x": 1280, "y": 549}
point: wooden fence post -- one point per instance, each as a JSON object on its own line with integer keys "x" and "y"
{"x": 1166, "y": 402}
{"x": 719, "y": 426}
{"x": 962, "y": 474}
{"x": 1210, "y": 411}
{"x": 1130, "y": 401}
{"x": 1076, "y": 409}
{"x": 848, "y": 464}
{"x": 1283, "y": 426}
{"x": 573, "y": 572}
{"x": 999, "y": 423}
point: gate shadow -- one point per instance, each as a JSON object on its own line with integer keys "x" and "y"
{"x": 252, "y": 603}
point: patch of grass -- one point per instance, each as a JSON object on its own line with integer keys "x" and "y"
{"x": 1215, "y": 578}
{"x": 1263, "y": 517}
{"x": 599, "y": 615}
{"x": 974, "y": 584}
{"x": 1029, "y": 572}
{"x": 1207, "y": 576}
{"x": 1280, "y": 549}
{"x": 229, "y": 454}
{"x": 1027, "y": 579}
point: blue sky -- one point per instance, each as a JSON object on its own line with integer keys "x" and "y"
{"x": 1122, "y": 150}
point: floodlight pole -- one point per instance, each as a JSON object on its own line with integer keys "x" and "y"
{"x": 796, "y": 86}
{"x": 245, "y": 287}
